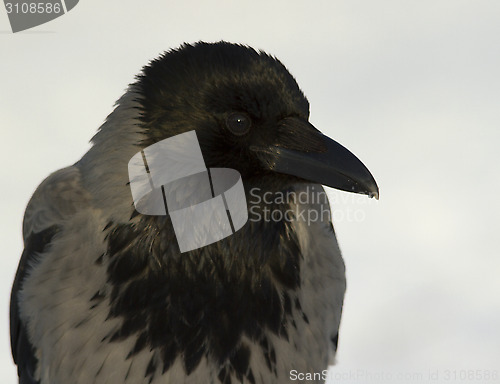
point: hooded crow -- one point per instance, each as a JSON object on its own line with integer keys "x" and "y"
{"x": 103, "y": 293}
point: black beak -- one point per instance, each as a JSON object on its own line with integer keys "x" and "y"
{"x": 305, "y": 152}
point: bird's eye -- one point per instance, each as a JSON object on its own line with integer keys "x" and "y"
{"x": 238, "y": 123}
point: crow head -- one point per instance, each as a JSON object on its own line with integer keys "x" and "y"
{"x": 248, "y": 113}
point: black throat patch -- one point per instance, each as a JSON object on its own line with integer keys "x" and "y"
{"x": 200, "y": 303}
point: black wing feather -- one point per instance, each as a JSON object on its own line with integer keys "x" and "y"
{"x": 22, "y": 350}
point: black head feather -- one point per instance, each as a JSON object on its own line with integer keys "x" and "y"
{"x": 198, "y": 87}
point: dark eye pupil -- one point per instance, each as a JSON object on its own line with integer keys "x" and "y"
{"x": 238, "y": 123}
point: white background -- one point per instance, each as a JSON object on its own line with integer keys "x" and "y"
{"x": 411, "y": 87}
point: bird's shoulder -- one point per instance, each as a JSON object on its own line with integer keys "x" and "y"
{"x": 56, "y": 200}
